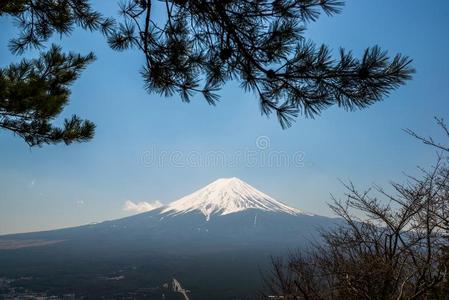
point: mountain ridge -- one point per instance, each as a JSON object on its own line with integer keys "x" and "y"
{"x": 225, "y": 196}
{"x": 199, "y": 239}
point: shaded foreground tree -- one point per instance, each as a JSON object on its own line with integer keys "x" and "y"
{"x": 34, "y": 92}
{"x": 197, "y": 46}
{"x": 394, "y": 247}
{"x": 202, "y": 44}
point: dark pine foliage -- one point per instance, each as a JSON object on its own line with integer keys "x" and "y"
{"x": 34, "y": 92}
{"x": 198, "y": 46}
{"x": 202, "y": 44}
{"x": 40, "y": 19}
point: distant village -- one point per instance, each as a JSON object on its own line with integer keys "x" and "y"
{"x": 11, "y": 291}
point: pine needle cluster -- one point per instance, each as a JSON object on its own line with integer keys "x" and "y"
{"x": 195, "y": 46}
{"x": 201, "y": 45}
{"x": 34, "y": 92}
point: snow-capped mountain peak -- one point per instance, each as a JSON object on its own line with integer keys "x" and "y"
{"x": 226, "y": 196}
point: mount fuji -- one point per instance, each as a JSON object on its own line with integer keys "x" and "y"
{"x": 225, "y": 196}
{"x": 226, "y": 227}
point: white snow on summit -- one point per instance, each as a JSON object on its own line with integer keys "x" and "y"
{"x": 226, "y": 196}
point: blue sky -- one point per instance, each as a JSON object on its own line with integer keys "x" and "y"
{"x": 58, "y": 186}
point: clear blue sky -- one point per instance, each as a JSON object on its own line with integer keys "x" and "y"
{"x": 58, "y": 186}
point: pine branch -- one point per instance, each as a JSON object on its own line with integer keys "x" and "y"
{"x": 261, "y": 45}
{"x": 34, "y": 92}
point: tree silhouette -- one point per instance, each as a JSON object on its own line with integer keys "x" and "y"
{"x": 201, "y": 45}
{"x": 40, "y": 19}
{"x": 198, "y": 46}
{"x": 391, "y": 248}
{"x": 34, "y": 92}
